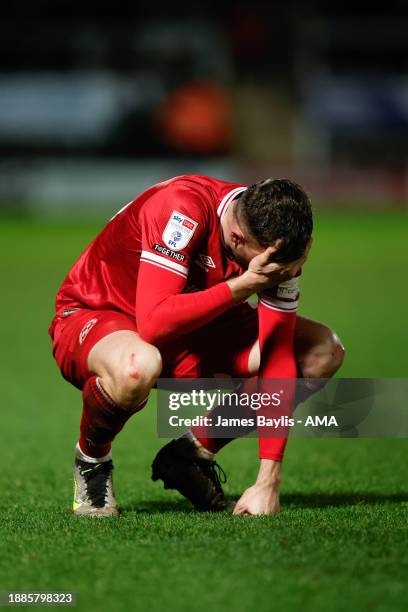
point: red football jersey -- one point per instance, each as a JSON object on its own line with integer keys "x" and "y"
{"x": 161, "y": 261}
{"x": 155, "y": 254}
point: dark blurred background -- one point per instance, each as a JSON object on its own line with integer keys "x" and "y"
{"x": 99, "y": 101}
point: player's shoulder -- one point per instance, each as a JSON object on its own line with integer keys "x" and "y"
{"x": 206, "y": 191}
{"x": 206, "y": 185}
{"x": 198, "y": 196}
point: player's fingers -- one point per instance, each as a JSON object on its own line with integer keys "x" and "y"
{"x": 242, "y": 513}
{"x": 272, "y": 250}
{"x": 239, "y": 509}
{"x": 277, "y": 245}
{"x": 271, "y": 268}
{"x": 265, "y": 256}
{"x": 278, "y": 268}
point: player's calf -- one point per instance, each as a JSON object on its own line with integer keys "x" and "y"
{"x": 101, "y": 421}
{"x": 125, "y": 368}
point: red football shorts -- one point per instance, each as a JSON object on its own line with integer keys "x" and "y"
{"x": 221, "y": 347}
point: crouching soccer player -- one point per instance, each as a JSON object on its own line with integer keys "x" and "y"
{"x": 162, "y": 290}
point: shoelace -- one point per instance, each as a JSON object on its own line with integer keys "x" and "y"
{"x": 96, "y": 478}
{"x": 215, "y": 472}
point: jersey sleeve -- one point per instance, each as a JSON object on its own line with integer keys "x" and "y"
{"x": 173, "y": 223}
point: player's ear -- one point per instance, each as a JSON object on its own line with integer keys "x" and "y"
{"x": 237, "y": 239}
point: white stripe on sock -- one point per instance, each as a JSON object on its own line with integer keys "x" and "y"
{"x": 81, "y": 455}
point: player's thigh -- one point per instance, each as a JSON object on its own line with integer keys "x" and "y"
{"x": 75, "y": 334}
{"x": 220, "y": 347}
{"x": 233, "y": 341}
{"x": 318, "y": 349}
{"x": 102, "y": 342}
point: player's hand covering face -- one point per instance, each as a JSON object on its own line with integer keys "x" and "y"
{"x": 268, "y": 273}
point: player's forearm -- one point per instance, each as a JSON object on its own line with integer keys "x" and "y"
{"x": 242, "y": 287}
{"x": 182, "y": 313}
{"x": 269, "y": 473}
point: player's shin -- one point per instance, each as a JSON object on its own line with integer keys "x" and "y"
{"x": 101, "y": 419}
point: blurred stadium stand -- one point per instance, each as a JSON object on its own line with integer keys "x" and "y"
{"x": 354, "y": 90}
{"x": 96, "y": 106}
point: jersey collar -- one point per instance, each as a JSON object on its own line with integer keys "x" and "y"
{"x": 227, "y": 199}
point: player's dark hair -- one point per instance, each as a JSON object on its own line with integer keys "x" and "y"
{"x": 278, "y": 208}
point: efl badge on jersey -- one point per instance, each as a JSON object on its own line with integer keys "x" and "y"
{"x": 178, "y": 231}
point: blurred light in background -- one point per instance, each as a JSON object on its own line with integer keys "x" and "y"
{"x": 94, "y": 108}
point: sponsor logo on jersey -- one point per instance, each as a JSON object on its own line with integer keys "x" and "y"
{"x": 205, "y": 261}
{"x": 67, "y": 311}
{"x": 86, "y": 329}
{"x": 188, "y": 224}
{"x": 165, "y": 251}
{"x": 178, "y": 231}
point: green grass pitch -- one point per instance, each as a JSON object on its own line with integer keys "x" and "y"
{"x": 341, "y": 539}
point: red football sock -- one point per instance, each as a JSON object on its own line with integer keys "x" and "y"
{"x": 276, "y": 337}
{"x": 101, "y": 420}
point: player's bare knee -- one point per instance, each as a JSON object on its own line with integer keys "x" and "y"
{"x": 144, "y": 367}
{"x": 326, "y": 357}
{"x": 140, "y": 374}
{"x": 134, "y": 376}
{"x": 338, "y": 354}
